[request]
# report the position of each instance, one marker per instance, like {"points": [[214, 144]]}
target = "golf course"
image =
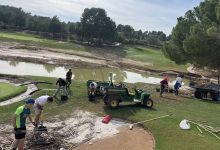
{"points": [[166, 132], [109, 75]]}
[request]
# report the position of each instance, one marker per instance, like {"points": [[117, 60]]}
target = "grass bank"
{"points": [[135, 52], [8, 91], [166, 131]]}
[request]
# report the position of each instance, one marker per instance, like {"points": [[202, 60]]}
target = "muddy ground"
{"points": [[96, 58], [81, 130], [20, 52]]}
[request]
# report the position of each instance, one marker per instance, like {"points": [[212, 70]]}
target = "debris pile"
{"points": [[215, 131], [6, 137], [65, 134]]}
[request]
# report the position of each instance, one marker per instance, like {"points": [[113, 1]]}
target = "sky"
{"points": [[157, 15]]}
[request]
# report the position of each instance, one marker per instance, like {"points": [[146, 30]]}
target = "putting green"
{"points": [[8, 91]]}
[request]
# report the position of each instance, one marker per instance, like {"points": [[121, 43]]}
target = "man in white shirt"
{"points": [[93, 85], [92, 90], [178, 84], [39, 105]]}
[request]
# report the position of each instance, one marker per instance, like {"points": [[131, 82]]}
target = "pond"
{"points": [[79, 74]]}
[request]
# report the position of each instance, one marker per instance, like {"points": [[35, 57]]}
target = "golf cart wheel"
{"points": [[113, 103], [198, 95], [148, 103]]}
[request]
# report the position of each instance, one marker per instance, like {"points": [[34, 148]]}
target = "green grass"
{"points": [[8, 91], [140, 53], [38, 41], [166, 131], [153, 56]]}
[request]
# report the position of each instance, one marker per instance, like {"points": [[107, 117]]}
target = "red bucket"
{"points": [[106, 119]]}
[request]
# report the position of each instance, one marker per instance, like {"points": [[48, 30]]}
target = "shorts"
{"points": [[20, 133]]}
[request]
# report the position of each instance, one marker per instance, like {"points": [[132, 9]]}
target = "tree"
{"points": [[55, 25], [37, 23], [96, 25], [12, 16], [128, 31], [196, 37]]}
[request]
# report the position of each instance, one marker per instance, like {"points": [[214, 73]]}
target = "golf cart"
{"points": [[116, 94], [100, 87]]}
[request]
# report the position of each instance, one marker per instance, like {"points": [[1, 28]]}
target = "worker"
{"points": [[163, 85], [19, 123], [69, 78], [110, 79], [92, 90], [178, 84], [61, 84], [39, 106]]}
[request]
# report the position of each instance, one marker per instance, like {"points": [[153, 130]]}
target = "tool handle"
{"points": [[152, 119]]}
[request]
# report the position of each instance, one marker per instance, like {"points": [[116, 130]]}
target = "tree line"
{"points": [[196, 37], [94, 27]]}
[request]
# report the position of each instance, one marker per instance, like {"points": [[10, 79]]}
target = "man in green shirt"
{"points": [[19, 123]]}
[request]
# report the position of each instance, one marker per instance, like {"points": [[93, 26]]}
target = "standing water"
{"points": [[79, 74]]}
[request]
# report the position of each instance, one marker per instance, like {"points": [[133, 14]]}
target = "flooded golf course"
{"points": [[79, 74]]}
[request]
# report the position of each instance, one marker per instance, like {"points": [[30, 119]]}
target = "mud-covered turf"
{"points": [[146, 55]]}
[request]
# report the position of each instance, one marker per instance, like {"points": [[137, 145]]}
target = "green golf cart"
{"points": [[117, 94]]}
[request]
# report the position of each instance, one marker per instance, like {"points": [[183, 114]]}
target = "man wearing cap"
{"points": [[39, 105], [19, 123]]}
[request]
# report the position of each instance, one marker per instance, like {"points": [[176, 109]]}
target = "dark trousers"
{"points": [[162, 89], [176, 88], [68, 81]]}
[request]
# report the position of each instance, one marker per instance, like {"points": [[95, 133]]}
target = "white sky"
{"points": [[158, 15]]}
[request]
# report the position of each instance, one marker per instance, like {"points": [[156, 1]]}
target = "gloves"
{"points": [[34, 124]]}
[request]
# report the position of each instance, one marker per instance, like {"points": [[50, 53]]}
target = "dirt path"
{"points": [[136, 139]]}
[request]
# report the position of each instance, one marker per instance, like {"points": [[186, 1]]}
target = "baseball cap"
{"points": [[29, 101]]}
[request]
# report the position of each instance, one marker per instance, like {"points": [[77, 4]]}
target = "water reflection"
{"points": [[79, 74], [49, 68], [13, 63]]}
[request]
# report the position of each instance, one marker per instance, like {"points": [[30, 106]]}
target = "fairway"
{"points": [[8, 91], [154, 56]]}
